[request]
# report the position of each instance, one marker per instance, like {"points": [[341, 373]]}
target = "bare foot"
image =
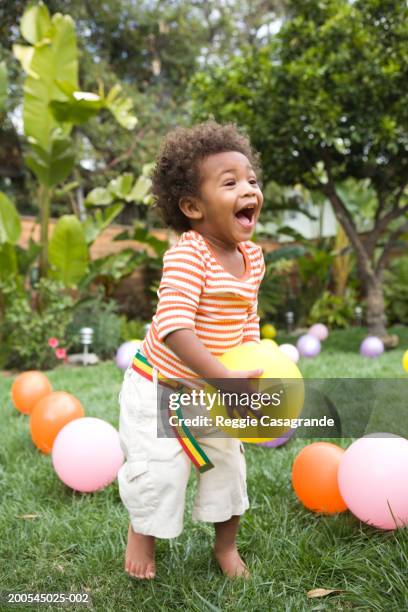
{"points": [[139, 559], [231, 563]]}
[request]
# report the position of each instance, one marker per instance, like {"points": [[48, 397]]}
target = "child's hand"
{"points": [[238, 381]]}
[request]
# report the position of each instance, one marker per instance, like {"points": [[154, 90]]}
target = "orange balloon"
{"points": [[50, 415], [28, 388], [314, 477]]}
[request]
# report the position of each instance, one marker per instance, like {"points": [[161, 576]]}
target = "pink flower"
{"points": [[60, 353], [53, 342]]}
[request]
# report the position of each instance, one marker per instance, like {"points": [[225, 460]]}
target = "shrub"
{"points": [[275, 292], [30, 317], [132, 330], [334, 310], [103, 318]]}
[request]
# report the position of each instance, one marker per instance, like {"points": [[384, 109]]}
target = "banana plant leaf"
{"points": [[67, 251], [8, 261], [10, 224], [52, 166], [93, 226]]}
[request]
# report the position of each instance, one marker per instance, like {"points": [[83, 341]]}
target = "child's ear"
{"points": [[190, 208]]}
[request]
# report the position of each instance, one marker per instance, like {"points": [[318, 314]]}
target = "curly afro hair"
{"points": [[177, 170]]}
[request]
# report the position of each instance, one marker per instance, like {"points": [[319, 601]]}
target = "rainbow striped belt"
{"points": [[188, 442]]}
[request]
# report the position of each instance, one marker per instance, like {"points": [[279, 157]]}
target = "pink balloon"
{"points": [[125, 353], [308, 346], [290, 351], [319, 330], [86, 454], [371, 347], [373, 482]]}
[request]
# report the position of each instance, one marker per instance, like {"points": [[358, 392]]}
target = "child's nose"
{"points": [[248, 188]]}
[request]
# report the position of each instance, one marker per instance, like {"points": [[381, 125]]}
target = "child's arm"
{"points": [[189, 348]]}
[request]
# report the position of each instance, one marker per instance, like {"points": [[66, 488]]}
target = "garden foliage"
{"points": [[30, 316], [326, 101]]}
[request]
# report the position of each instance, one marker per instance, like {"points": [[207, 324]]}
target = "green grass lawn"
{"points": [[75, 542]]}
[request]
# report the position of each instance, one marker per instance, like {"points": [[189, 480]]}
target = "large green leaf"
{"points": [[35, 23], [78, 108], [140, 189], [55, 58], [10, 224], [93, 226], [8, 261], [121, 107], [3, 85], [54, 165], [67, 251], [120, 187], [99, 197], [24, 54], [114, 266], [142, 234], [27, 256]]}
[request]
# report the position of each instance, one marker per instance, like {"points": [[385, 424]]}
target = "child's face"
{"points": [[230, 198]]}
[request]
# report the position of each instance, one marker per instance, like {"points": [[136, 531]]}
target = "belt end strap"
{"points": [[186, 439]]}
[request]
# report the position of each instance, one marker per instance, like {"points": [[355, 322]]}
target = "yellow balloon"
{"points": [[405, 361], [270, 342], [268, 331], [281, 379]]}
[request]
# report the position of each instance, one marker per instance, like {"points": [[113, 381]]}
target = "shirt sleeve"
{"points": [[180, 289], [251, 326]]}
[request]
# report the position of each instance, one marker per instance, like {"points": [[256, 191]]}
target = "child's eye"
{"points": [[229, 183], [253, 181]]}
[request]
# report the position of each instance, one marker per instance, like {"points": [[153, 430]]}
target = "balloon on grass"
{"points": [[405, 361], [290, 351], [319, 330], [281, 381], [268, 331], [373, 480], [125, 353], [314, 477], [269, 342], [28, 388], [371, 347], [308, 345], [49, 416], [279, 441], [87, 455]]}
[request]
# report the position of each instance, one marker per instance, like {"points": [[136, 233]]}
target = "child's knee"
{"points": [[154, 494]]}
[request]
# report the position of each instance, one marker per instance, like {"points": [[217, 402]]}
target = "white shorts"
{"points": [[153, 480]]}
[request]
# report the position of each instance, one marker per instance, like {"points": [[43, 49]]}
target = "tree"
{"points": [[53, 104], [153, 48], [324, 102]]}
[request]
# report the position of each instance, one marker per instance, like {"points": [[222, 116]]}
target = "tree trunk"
{"points": [[371, 278], [376, 319]]}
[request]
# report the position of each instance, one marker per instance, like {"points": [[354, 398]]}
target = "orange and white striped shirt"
{"points": [[197, 293]]}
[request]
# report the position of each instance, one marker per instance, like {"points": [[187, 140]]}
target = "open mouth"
{"points": [[246, 216]]}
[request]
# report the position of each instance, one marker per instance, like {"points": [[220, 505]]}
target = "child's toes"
{"points": [[150, 572], [130, 568], [140, 570]]}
